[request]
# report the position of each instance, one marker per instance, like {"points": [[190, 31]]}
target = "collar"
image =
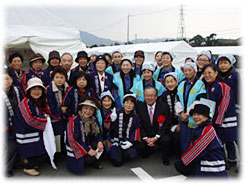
{"points": [[153, 106], [55, 88]]}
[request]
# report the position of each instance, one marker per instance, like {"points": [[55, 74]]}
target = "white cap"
{"points": [[106, 93], [94, 52], [126, 58], [127, 95], [89, 103], [230, 57], [34, 82], [192, 58], [147, 66], [206, 53], [174, 74], [170, 53], [193, 65]]}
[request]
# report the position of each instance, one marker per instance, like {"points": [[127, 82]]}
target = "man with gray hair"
{"points": [[155, 125], [66, 63]]}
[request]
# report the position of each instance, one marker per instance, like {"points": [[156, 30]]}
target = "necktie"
{"points": [[151, 115], [102, 79]]}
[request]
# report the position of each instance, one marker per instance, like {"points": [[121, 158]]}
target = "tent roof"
{"points": [[178, 46], [235, 50], [42, 30]]}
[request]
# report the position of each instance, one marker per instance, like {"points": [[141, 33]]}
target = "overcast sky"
{"points": [[149, 19]]}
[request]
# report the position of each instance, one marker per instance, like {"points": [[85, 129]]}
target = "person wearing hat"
{"points": [[53, 62], [139, 58], [229, 75], [116, 60], [82, 59], [84, 138], [158, 59], [170, 97], [167, 58], [101, 80], [36, 62], [16, 61], [11, 97], [187, 59], [203, 58], [138, 88], [92, 57], [81, 87], [204, 157], [55, 93], [124, 81], [109, 115], [189, 92], [30, 122], [225, 119], [126, 133], [155, 125]]}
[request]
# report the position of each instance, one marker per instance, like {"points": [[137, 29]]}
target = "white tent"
{"points": [[41, 31], [180, 48], [235, 50]]}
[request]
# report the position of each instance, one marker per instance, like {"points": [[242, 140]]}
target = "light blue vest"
{"points": [[197, 89], [180, 74], [138, 89], [117, 80]]}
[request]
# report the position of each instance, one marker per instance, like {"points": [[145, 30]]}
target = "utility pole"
{"points": [[128, 30], [135, 38], [181, 27]]}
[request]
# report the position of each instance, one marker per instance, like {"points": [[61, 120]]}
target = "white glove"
{"points": [[113, 115], [173, 128], [115, 144], [126, 145]]}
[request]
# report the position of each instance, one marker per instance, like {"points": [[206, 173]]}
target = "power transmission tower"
{"points": [[181, 27]]}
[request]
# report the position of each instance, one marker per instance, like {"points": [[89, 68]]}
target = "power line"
{"points": [[110, 25], [153, 12]]}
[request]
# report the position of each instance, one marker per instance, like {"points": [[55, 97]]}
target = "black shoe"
{"points": [[9, 174], [165, 162]]}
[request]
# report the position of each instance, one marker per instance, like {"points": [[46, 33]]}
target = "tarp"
{"points": [[180, 48], [41, 30]]}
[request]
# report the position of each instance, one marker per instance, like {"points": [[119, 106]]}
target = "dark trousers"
{"points": [[92, 160], [164, 142], [119, 156], [11, 154]]}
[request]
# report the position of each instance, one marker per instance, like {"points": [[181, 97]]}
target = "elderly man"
{"points": [[155, 125], [66, 63]]}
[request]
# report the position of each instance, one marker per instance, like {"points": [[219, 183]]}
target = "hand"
{"points": [[46, 115], [100, 146], [126, 145], [177, 128], [113, 115], [63, 109], [184, 117], [92, 153], [147, 140]]}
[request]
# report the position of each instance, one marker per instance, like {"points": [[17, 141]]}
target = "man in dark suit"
{"points": [[155, 125]]}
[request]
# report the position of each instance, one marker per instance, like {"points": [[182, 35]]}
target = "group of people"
{"points": [[118, 108]]}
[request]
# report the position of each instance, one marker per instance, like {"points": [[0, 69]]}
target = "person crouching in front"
{"points": [[84, 138], [204, 157]]}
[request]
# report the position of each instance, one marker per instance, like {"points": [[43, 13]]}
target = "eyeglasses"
{"points": [[203, 60]]}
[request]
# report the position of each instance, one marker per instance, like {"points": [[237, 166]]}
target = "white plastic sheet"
{"points": [[49, 141]]}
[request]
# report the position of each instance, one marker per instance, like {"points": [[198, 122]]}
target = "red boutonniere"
{"points": [[161, 119]]}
